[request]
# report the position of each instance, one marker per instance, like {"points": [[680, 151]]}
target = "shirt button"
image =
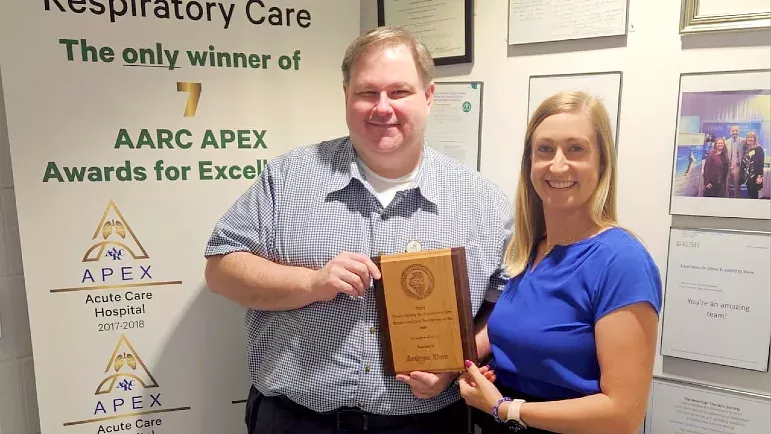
{"points": [[372, 330], [367, 369]]}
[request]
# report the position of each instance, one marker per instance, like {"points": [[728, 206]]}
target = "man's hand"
{"points": [[348, 273], [426, 385]]}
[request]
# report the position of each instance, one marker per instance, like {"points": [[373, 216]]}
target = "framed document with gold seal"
{"points": [[446, 27], [424, 310]]}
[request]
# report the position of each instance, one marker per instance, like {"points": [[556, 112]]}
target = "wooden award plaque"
{"points": [[424, 309]]}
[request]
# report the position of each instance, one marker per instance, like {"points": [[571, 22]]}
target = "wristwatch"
{"points": [[512, 421]]}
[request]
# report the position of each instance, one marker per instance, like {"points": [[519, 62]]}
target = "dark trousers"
{"points": [[279, 415], [753, 188]]}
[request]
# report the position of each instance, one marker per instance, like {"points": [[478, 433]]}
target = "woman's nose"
{"points": [[558, 163]]}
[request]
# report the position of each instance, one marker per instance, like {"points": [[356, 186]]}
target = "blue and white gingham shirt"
{"points": [[312, 203]]}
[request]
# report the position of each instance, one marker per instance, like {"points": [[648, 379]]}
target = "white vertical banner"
{"points": [[133, 126]]}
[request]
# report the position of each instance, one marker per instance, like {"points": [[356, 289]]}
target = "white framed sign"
{"points": [[455, 124], [533, 21], [685, 407], [605, 86], [717, 300]]}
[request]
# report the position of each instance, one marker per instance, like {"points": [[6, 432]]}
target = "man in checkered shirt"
{"points": [[295, 251]]}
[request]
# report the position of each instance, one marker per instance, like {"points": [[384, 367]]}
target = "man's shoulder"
{"points": [[314, 155]]}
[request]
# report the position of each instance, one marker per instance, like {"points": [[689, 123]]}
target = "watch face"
{"points": [[514, 426]]}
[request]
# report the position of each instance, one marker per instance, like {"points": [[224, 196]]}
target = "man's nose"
{"points": [[383, 106]]}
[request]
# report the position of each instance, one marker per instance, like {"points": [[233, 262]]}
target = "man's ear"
{"points": [[345, 92], [430, 95]]}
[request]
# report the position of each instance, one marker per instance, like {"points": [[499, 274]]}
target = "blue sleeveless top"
{"points": [[542, 327]]}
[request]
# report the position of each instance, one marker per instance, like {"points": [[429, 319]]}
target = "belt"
{"points": [[350, 419]]}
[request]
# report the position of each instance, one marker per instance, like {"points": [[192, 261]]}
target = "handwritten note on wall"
{"points": [[555, 20]]}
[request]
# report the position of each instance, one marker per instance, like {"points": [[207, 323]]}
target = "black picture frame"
{"points": [[468, 14]]}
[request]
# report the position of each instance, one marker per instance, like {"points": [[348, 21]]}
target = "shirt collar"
{"points": [[345, 170]]}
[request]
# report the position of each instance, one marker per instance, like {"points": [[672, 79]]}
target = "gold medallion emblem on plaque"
{"points": [[417, 281]]}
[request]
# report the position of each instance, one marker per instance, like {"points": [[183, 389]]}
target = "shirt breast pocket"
{"points": [[313, 237]]}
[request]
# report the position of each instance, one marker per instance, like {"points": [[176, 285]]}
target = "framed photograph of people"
{"points": [[701, 16], [605, 86], [722, 145], [445, 26]]}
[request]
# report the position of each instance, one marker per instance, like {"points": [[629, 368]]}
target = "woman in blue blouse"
{"points": [[573, 335]]}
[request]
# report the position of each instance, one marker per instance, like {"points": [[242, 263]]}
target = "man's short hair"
{"points": [[389, 36]]}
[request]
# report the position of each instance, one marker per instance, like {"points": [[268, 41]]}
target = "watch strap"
{"points": [[514, 407]]}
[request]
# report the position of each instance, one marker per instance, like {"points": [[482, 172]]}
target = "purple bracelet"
{"points": [[495, 408]]}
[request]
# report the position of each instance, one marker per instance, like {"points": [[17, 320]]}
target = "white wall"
{"points": [[18, 402], [651, 57]]}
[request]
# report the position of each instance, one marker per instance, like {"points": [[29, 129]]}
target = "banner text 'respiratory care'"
{"points": [[255, 11]]}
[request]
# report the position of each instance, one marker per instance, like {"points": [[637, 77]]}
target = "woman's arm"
{"points": [[626, 347], [758, 162]]}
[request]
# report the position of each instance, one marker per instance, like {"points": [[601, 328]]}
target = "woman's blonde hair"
{"points": [[530, 225]]}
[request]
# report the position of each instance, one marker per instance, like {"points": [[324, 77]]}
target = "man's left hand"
{"points": [[426, 384]]}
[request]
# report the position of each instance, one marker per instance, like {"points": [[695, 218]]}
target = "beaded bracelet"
{"points": [[495, 408]]}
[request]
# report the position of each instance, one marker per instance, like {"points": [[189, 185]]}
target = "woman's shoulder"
{"points": [[620, 243]]}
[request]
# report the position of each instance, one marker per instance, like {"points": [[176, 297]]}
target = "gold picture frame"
{"points": [[693, 21]]}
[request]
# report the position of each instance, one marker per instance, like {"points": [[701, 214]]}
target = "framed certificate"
{"points": [[535, 21], [455, 125], [445, 26], [699, 16]]}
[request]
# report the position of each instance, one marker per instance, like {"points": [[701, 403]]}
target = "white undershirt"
{"points": [[386, 188]]}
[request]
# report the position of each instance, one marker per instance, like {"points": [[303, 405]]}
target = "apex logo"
{"points": [[114, 238], [125, 370]]}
